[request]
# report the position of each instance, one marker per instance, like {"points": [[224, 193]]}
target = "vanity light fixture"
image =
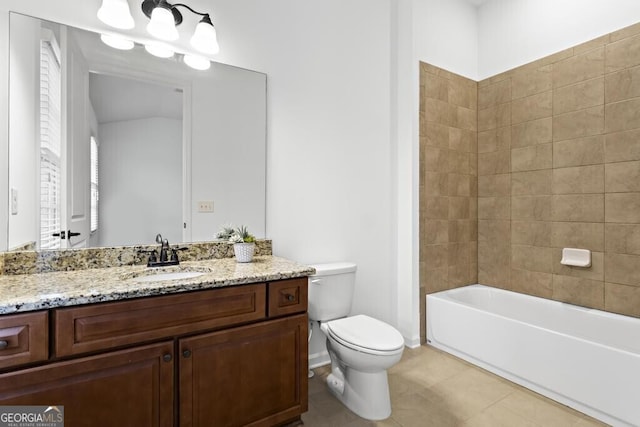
{"points": [[164, 17], [158, 49], [116, 13], [197, 62], [117, 42]]}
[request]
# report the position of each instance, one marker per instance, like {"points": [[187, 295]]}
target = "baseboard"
{"points": [[319, 359]]}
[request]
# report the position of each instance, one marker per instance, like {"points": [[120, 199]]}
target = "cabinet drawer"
{"points": [[287, 297], [23, 338], [101, 326]]}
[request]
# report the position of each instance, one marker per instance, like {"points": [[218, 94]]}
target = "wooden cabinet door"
{"points": [[252, 375], [123, 388]]}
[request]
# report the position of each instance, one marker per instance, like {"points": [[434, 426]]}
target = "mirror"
{"points": [[121, 145]]}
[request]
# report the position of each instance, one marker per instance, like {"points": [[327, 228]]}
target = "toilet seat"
{"points": [[366, 334]]}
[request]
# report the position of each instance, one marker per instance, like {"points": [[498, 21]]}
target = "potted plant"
{"points": [[243, 244]]}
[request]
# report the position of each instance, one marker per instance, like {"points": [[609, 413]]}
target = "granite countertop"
{"points": [[28, 292]]}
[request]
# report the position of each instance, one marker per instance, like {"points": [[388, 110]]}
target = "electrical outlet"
{"points": [[14, 201], [205, 206]]}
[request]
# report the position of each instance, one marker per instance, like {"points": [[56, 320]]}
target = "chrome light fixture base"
{"points": [[149, 5]]}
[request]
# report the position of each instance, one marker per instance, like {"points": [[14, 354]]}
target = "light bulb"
{"points": [[116, 42], [197, 62], [116, 13], [160, 50], [204, 38], [162, 24]]}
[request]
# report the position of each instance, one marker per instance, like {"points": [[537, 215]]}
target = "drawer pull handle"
{"points": [[4, 344], [167, 357], [186, 353], [290, 297]]}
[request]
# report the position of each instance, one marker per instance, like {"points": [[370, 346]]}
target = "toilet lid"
{"points": [[367, 333]]}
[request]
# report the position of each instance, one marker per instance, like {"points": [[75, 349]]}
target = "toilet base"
{"points": [[365, 393]]}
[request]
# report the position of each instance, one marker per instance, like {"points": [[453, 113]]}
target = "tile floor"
{"points": [[432, 388]]}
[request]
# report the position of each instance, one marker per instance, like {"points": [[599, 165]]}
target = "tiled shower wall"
{"points": [[448, 184], [558, 165]]}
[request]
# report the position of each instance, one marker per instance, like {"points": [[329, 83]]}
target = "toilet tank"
{"points": [[331, 290]]}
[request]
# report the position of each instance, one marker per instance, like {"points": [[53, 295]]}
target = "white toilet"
{"points": [[361, 348]]}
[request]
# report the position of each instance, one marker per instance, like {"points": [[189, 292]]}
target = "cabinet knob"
{"points": [[186, 353], [167, 357], [4, 344], [290, 297]]}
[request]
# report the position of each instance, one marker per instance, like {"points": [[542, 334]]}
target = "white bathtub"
{"points": [[584, 358]]}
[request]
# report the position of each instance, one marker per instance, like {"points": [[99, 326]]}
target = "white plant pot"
{"points": [[244, 251]]}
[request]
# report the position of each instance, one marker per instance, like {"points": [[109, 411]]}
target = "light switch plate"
{"points": [[205, 206]]}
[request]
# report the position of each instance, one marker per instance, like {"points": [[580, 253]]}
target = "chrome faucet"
{"points": [[168, 255]]}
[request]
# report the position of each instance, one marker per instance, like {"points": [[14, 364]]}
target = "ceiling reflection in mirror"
{"points": [[110, 147]]}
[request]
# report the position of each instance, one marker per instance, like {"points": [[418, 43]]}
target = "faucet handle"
{"points": [[159, 238], [174, 253]]}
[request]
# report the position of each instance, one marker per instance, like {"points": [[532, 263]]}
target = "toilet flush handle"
{"points": [[316, 281]]}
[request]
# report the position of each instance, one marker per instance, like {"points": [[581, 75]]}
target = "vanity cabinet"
{"points": [[231, 356]]}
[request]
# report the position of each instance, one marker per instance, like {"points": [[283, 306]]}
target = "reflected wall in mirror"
{"points": [[120, 145]]}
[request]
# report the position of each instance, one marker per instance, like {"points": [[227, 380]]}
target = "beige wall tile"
{"points": [[463, 95], [594, 272], [494, 232], [459, 207], [621, 54], [435, 134], [592, 44], [532, 258], [622, 299], [532, 133], [492, 95], [462, 140], [629, 31], [620, 268], [436, 232], [531, 183], [585, 235], [531, 233], [579, 179], [622, 177], [578, 291], [578, 68], [436, 208], [622, 238], [622, 207], [579, 96], [494, 265], [463, 230], [532, 82], [435, 184], [624, 84], [458, 162], [579, 123], [623, 115], [436, 256], [578, 208], [460, 185], [436, 87], [466, 118], [494, 140], [622, 146], [438, 111], [579, 152], [436, 159], [531, 158], [494, 185], [532, 107], [494, 117], [535, 208], [436, 280], [494, 207], [493, 163], [532, 283]]}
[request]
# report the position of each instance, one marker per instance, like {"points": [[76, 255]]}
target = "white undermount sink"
{"points": [[174, 275]]}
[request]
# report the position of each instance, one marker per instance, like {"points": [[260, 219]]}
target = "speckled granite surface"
{"points": [[30, 262], [28, 292]]}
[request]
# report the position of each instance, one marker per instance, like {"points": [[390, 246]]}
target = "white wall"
{"points": [[515, 32], [140, 179], [25, 109], [446, 35]]}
